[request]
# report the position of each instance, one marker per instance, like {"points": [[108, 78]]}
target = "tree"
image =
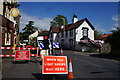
{"points": [[29, 29], [59, 20], [97, 34], [114, 40]]}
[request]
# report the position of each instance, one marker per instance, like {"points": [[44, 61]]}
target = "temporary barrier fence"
{"points": [[22, 48], [14, 55], [7, 55], [18, 48]]}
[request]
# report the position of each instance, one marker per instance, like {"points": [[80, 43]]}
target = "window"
{"points": [[70, 43], [66, 32], [62, 43], [7, 38], [85, 32], [71, 33], [62, 34], [58, 35], [51, 35], [2, 29], [77, 32]]}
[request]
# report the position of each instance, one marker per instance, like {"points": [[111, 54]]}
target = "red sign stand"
{"points": [[54, 65], [22, 55]]}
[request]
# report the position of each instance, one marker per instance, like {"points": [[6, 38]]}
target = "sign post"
{"points": [[54, 65], [22, 55]]}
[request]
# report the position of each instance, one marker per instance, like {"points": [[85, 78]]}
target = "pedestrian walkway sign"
{"points": [[41, 45], [56, 45]]}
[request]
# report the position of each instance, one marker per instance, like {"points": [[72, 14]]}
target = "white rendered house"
{"points": [[70, 35]]}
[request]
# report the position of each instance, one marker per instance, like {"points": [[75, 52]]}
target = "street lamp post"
{"points": [[63, 29], [63, 21]]}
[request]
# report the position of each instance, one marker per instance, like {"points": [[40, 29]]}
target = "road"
{"points": [[84, 66]]}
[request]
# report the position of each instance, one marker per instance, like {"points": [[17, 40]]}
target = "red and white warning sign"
{"points": [[22, 55], [54, 65]]}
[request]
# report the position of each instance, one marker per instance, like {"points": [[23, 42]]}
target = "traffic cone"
{"points": [[50, 52], [61, 52], [70, 72], [40, 55]]}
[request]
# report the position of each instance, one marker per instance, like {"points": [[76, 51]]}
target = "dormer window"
{"points": [[85, 32]]}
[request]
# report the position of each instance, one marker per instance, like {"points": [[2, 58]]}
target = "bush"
{"points": [[105, 48]]}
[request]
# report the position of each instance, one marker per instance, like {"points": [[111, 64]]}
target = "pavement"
{"points": [[20, 69]]}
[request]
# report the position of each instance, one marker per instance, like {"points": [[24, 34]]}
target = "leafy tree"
{"points": [[97, 34], [114, 40], [29, 29], [59, 20]]}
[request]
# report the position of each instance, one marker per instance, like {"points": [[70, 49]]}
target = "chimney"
{"points": [[75, 19], [41, 30]]}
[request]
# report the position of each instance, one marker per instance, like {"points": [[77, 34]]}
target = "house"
{"points": [[69, 36], [103, 37], [9, 25]]}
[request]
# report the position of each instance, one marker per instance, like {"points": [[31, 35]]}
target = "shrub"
{"points": [[105, 48]]}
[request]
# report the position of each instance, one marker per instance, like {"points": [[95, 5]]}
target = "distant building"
{"points": [[69, 36], [103, 37], [33, 37], [43, 33]]}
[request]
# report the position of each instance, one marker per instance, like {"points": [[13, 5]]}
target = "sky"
{"points": [[103, 15], [68, 0]]}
